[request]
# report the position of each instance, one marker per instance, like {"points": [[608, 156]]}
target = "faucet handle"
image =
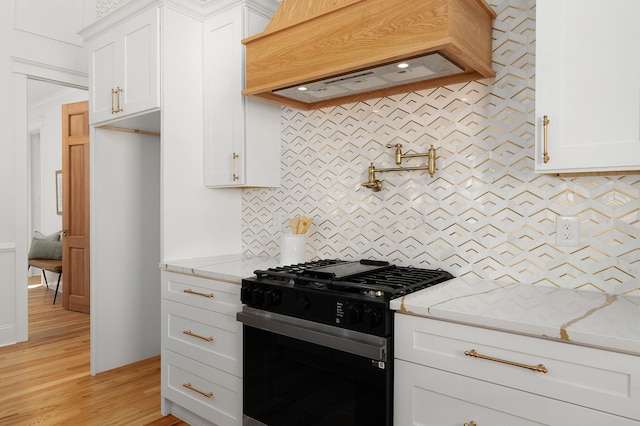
{"points": [[398, 155]]}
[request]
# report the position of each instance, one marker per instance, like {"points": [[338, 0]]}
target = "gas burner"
{"points": [[346, 294], [372, 293]]}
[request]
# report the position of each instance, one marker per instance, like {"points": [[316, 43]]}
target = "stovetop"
{"points": [[366, 277], [347, 294]]}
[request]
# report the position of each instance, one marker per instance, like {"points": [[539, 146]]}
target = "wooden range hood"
{"points": [[345, 51]]}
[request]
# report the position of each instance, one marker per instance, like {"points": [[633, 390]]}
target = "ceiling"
{"points": [[38, 90]]}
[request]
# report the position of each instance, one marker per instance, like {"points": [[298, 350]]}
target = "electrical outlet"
{"points": [[567, 231]]}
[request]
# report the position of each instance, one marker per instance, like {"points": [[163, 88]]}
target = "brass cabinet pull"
{"points": [[119, 90], [189, 291], [189, 333], [205, 394], [545, 127], [540, 368], [235, 166], [115, 92], [471, 423]]}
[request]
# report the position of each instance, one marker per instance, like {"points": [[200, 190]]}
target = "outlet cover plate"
{"points": [[567, 231]]}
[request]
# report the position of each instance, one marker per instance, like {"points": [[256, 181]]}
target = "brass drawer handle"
{"points": [[234, 158], [545, 126], [205, 394], [189, 291], [540, 368], [471, 423], [189, 333]]}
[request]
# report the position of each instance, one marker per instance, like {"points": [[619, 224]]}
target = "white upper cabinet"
{"points": [[241, 135], [124, 68], [588, 86]]}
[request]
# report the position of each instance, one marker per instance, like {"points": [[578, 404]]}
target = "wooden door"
{"points": [[75, 206]]}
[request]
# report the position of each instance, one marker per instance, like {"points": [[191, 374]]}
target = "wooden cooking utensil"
{"points": [[304, 225], [293, 224]]}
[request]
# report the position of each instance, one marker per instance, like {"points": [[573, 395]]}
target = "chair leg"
{"points": [[57, 287], [45, 279]]}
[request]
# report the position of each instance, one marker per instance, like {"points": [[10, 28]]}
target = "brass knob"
{"points": [[471, 423]]}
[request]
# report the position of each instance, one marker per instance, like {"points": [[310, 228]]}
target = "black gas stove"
{"points": [[351, 295]]}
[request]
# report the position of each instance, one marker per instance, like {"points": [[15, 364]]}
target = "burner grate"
{"points": [[400, 280], [288, 272], [384, 280]]}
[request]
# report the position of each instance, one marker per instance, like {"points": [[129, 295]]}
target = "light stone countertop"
{"points": [[583, 317], [230, 268]]}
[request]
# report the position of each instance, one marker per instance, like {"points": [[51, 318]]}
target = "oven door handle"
{"points": [[374, 348]]}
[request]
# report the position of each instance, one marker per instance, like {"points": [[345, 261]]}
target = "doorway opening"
{"points": [[44, 100]]}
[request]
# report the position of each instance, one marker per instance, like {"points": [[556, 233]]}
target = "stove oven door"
{"points": [[298, 372]]}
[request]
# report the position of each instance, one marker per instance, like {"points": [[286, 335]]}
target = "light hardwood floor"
{"points": [[46, 381]]}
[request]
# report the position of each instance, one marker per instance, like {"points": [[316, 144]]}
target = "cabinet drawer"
{"points": [[600, 379], [426, 396], [206, 336], [206, 391], [203, 293]]}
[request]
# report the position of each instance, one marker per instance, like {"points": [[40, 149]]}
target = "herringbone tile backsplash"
{"points": [[485, 213]]}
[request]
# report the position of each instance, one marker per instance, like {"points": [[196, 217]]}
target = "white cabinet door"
{"points": [[242, 135], [428, 396], [210, 393], [588, 86], [103, 78], [572, 373], [141, 79], [124, 66]]}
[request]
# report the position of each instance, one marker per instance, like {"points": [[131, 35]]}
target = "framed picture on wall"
{"points": [[59, 192]]}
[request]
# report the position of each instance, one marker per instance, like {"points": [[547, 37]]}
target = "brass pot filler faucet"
{"points": [[375, 185]]}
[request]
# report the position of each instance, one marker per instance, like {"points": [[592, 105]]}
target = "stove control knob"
{"points": [[257, 297], [302, 303], [271, 298], [246, 295], [353, 314], [372, 317]]}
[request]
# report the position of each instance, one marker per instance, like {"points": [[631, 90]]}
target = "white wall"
{"points": [[125, 248], [35, 179], [31, 41]]}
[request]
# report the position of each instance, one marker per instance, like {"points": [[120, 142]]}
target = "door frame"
{"points": [[23, 70]]}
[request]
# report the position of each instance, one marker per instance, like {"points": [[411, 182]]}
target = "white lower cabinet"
{"points": [[437, 382], [201, 350], [211, 394]]}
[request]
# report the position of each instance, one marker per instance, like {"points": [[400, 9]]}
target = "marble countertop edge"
{"points": [[575, 316], [231, 268]]}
